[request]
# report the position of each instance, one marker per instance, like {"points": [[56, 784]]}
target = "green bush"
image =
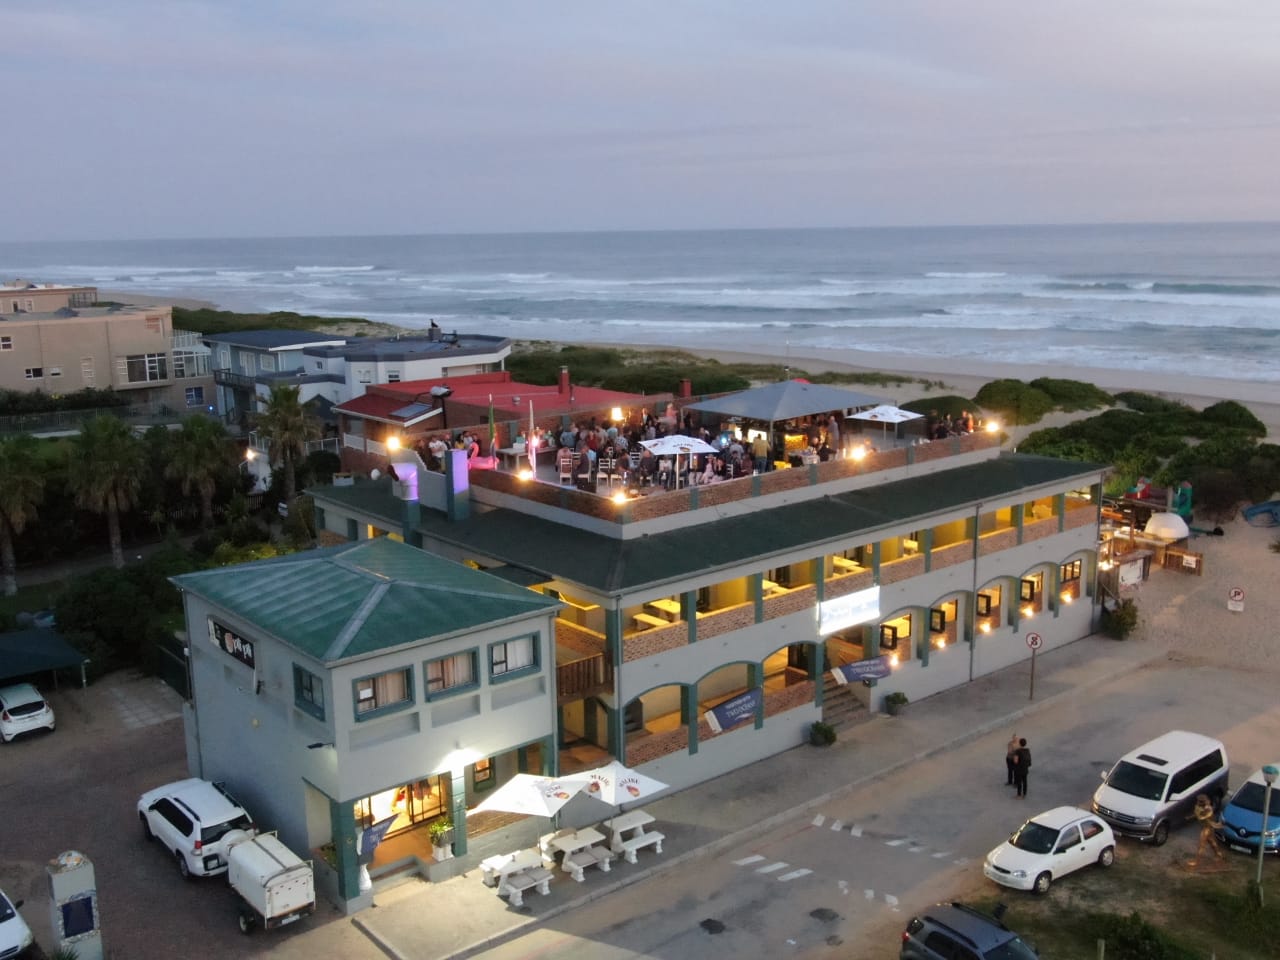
{"points": [[1073, 395], [1014, 401], [822, 734], [1120, 620], [1133, 938]]}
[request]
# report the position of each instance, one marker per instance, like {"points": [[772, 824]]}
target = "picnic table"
{"points": [[583, 848], [628, 834], [514, 873]]}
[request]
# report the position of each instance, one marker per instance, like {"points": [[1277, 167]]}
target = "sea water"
{"points": [[1198, 300]]}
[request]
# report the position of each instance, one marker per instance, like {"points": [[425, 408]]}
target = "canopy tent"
{"points": [[785, 401], [24, 652], [886, 414]]}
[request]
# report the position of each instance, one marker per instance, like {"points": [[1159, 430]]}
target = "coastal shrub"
{"points": [[1235, 416], [1052, 442], [1217, 494], [1120, 619], [1014, 401], [822, 734], [209, 321], [1072, 395], [17, 402], [1133, 938], [1147, 403]]}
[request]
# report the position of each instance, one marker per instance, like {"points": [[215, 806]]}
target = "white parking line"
{"points": [[746, 860], [793, 875], [837, 825], [774, 867], [819, 820]]}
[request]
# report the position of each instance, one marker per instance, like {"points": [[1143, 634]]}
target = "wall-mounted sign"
{"points": [[874, 669], [839, 613], [231, 642], [733, 712]]}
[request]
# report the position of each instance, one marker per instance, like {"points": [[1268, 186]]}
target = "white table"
{"points": [[581, 850], [511, 456], [495, 870], [845, 565], [669, 607]]}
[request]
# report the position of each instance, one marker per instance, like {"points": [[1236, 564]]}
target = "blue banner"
{"points": [[873, 669], [372, 836], [733, 712]]}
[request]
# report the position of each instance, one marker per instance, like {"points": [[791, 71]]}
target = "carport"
{"points": [[36, 650]]}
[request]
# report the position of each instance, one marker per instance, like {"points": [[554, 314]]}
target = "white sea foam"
{"points": [[362, 268], [963, 275]]}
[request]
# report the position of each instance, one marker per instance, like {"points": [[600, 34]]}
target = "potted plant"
{"points": [[894, 702], [822, 734], [441, 833]]}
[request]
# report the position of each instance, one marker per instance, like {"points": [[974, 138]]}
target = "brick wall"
{"points": [[327, 538], [1000, 540], [578, 639], [950, 555], [898, 570], [655, 745], [726, 621], [714, 494], [797, 695], [848, 583], [802, 598], [780, 480], [1039, 529], [637, 646], [1080, 515]]}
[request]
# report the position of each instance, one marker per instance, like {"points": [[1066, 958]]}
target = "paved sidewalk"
{"points": [[461, 917]]}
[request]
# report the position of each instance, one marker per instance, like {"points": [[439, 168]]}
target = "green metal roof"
{"points": [[23, 652], [341, 602], [614, 567]]}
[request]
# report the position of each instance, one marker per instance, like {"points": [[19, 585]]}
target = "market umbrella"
{"points": [[676, 445], [616, 784], [532, 795], [886, 414]]}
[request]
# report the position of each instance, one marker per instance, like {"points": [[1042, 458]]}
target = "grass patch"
{"points": [[1149, 906]]}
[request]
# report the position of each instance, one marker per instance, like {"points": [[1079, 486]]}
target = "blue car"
{"points": [[1242, 817]]}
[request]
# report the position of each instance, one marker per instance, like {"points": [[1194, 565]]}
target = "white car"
{"points": [[197, 821], [15, 935], [22, 710], [1049, 846]]}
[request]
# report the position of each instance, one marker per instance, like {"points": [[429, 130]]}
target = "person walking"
{"points": [[1010, 759], [1022, 765]]}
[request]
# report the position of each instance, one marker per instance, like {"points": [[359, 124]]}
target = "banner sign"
{"points": [[232, 643], [371, 836], [840, 613], [874, 669], [733, 712]]}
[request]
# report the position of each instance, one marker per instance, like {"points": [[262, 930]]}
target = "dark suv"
{"points": [[954, 931]]}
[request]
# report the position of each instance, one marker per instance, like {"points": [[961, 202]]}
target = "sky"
{"points": [[179, 118]]}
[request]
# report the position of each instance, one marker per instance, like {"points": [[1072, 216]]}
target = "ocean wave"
{"points": [[1225, 289], [964, 275], [362, 268], [1087, 287]]}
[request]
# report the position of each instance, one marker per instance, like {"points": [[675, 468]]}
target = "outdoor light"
{"points": [[992, 426], [859, 453], [393, 444], [525, 474], [620, 497], [893, 659], [250, 455], [616, 414], [1066, 597], [1269, 774], [1028, 612], [985, 627]]}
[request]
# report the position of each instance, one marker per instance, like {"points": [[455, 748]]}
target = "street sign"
{"points": [[1034, 641], [1235, 599]]}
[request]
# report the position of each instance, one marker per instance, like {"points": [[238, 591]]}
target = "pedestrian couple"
{"points": [[1017, 761]]}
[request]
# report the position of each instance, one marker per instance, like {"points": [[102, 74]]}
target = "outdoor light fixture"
{"points": [[985, 627], [525, 474], [991, 426], [1028, 613], [620, 497], [859, 453], [893, 659], [250, 455], [393, 444], [615, 414]]}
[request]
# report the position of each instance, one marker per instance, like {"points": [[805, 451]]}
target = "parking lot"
{"points": [[77, 789]]}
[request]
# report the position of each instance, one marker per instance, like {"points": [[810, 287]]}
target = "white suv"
{"points": [[197, 821]]}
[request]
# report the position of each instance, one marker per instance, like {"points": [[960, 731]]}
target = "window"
{"points": [[364, 375], [393, 376], [55, 371], [155, 324], [482, 778], [308, 692], [386, 690], [451, 673], [145, 367], [6, 343], [267, 362], [513, 656], [888, 636], [1029, 589], [984, 604], [1070, 571], [1091, 829], [186, 364], [86, 371], [937, 620], [1070, 837], [35, 373], [195, 396]]}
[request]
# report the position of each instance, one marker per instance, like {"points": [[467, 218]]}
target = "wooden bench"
{"points": [[515, 884], [575, 863], [629, 847]]}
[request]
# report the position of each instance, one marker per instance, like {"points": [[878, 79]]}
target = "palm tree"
{"points": [[201, 454], [287, 427], [106, 473], [20, 492]]}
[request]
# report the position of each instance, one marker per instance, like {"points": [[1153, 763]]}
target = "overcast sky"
{"points": [[155, 118]]}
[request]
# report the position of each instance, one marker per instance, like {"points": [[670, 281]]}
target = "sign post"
{"points": [[1235, 599], [1034, 641]]}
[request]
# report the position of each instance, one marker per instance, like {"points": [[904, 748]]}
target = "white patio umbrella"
{"points": [[886, 414], [532, 795], [616, 784], [676, 445]]}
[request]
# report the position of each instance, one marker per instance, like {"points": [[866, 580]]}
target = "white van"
{"points": [[1155, 787]]}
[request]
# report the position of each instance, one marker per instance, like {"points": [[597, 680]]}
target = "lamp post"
{"points": [[1269, 774]]}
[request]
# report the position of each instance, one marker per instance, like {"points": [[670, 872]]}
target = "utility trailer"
{"points": [[274, 885]]}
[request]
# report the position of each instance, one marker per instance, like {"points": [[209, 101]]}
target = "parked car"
{"points": [[197, 821], [950, 930], [23, 710], [15, 935], [1242, 817], [1154, 788], [1048, 846]]}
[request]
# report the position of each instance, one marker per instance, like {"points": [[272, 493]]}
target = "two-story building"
{"points": [[370, 683]]}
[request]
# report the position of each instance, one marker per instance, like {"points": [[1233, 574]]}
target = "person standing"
{"points": [[1022, 765], [1011, 759]]}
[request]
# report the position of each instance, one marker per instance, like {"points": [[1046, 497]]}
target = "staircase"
{"points": [[840, 705]]}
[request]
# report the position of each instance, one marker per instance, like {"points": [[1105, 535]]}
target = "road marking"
{"points": [[895, 843], [746, 860], [819, 820], [844, 887], [837, 825], [774, 867], [855, 830], [792, 875], [941, 855], [891, 900], [870, 894]]}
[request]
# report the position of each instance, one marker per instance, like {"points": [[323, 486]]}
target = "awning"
{"points": [[24, 652], [785, 401]]}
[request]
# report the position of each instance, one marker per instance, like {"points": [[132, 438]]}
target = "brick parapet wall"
{"points": [[999, 540], [788, 698], [579, 639], [655, 745], [646, 643], [793, 601], [848, 583], [1039, 529], [951, 555], [727, 620], [898, 570], [1080, 515]]}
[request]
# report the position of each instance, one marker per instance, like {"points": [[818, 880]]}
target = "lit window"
{"points": [[145, 367], [394, 688], [451, 673], [512, 656], [483, 776]]}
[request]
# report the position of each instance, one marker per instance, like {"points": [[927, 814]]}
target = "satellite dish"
{"points": [[441, 391], [375, 473]]}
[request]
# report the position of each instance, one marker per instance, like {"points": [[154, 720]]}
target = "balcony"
{"points": [[229, 378]]}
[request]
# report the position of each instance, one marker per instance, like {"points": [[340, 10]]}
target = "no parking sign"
{"points": [[1235, 599], [1035, 642]]}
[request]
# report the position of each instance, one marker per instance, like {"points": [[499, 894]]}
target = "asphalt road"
{"points": [[844, 881]]}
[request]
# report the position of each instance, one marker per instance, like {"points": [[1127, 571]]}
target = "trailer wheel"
{"points": [[246, 922]]}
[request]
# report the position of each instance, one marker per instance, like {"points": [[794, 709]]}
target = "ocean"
{"points": [[1198, 300]]}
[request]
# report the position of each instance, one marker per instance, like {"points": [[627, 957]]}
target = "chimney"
{"points": [[564, 381], [686, 389]]}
